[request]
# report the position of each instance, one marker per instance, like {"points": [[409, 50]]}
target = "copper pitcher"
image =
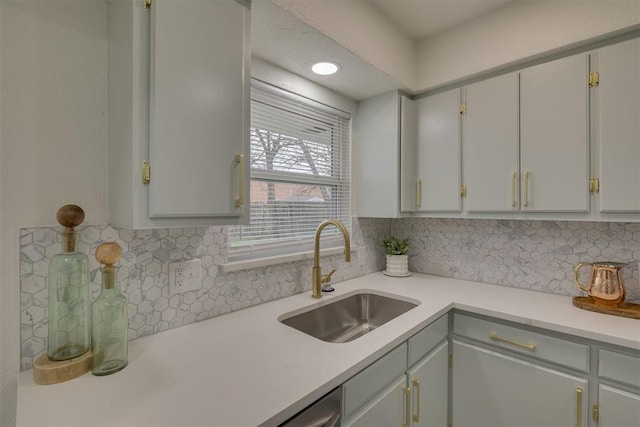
{"points": [[606, 286]]}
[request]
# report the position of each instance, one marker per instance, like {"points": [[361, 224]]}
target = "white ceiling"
{"points": [[419, 19], [282, 39]]}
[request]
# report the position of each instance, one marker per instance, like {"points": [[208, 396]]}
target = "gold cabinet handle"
{"points": [[416, 387], [513, 189], [526, 189], [240, 162], [146, 173], [419, 193], [494, 336], [578, 407], [407, 400]]}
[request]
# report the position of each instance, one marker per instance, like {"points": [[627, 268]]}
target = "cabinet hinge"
{"points": [[463, 191], [594, 185], [147, 4], [594, 79], [595, 413], [463, 108], [146, 173], [451, 360]]}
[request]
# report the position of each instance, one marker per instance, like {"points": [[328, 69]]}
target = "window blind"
{"points": [[300, 171]]}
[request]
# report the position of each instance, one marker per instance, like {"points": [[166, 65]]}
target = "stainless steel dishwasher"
{"points": [[324, 412]]}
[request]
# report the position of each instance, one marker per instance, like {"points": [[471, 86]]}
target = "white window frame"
{"points": [[300, 247]]}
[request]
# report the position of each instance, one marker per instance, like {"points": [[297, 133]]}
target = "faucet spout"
{"points": [[318, 278]]}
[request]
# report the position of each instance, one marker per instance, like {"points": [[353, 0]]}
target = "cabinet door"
{"points": [[409, 186], [491, 389], [375, 156], [618, 408], [554, 143], [438, 151], [384, 410], [490, 140], [428, 381], [619, 139], [198, 108]]}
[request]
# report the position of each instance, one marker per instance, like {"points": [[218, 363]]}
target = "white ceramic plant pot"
{"points": [[397, 265]]}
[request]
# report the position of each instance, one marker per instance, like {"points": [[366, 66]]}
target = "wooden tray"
{"points": [[625, 309], [47, 371]]}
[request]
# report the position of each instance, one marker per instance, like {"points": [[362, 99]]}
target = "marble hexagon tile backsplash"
{"points": [[143, 274], [536, 255]]}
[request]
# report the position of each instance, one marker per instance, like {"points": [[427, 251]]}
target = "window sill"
{"points": [[230, 267]]}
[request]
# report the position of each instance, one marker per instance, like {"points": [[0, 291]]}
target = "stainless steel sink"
{"points": [[348, 318]]}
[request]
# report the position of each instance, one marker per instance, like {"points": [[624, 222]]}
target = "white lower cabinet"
{"points": [[618, 408], [619, 400], [491, 389], [418, 398], [386, 409], [386, 393], [502, 374], [427, 381]]}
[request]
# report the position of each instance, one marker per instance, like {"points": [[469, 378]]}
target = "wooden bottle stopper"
{"points": [[108, 254], [70, 216]]}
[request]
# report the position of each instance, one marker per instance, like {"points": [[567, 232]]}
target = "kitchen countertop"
{"points": [[246, 368]]}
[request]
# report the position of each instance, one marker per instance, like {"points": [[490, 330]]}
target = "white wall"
{"points": [[53, 138], [7, 377], [519, 30]]}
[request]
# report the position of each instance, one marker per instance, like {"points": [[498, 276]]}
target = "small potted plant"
{"points": [[397, 258]]}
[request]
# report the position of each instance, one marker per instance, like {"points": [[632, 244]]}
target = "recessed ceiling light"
{"points": [[324, 68]]}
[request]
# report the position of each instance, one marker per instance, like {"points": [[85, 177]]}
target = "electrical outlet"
{"points": [[185, 276]]}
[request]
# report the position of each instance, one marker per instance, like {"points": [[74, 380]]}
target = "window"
{"points": [[300, 172]]}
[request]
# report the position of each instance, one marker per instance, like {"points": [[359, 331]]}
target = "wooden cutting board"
{"points": [[624, 309]]}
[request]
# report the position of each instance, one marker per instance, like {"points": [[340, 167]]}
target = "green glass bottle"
{"points": [[68, 310], [109, 320]]}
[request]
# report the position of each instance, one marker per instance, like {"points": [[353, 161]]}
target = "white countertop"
{"points": [[246, 368]]}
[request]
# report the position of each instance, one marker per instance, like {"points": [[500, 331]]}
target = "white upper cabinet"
{"points": [[554, 139], [438, 153], [198, 101], [543, 142], [179, 101], [409, 184], [380, 127], [619, 124], [490, 140]]}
